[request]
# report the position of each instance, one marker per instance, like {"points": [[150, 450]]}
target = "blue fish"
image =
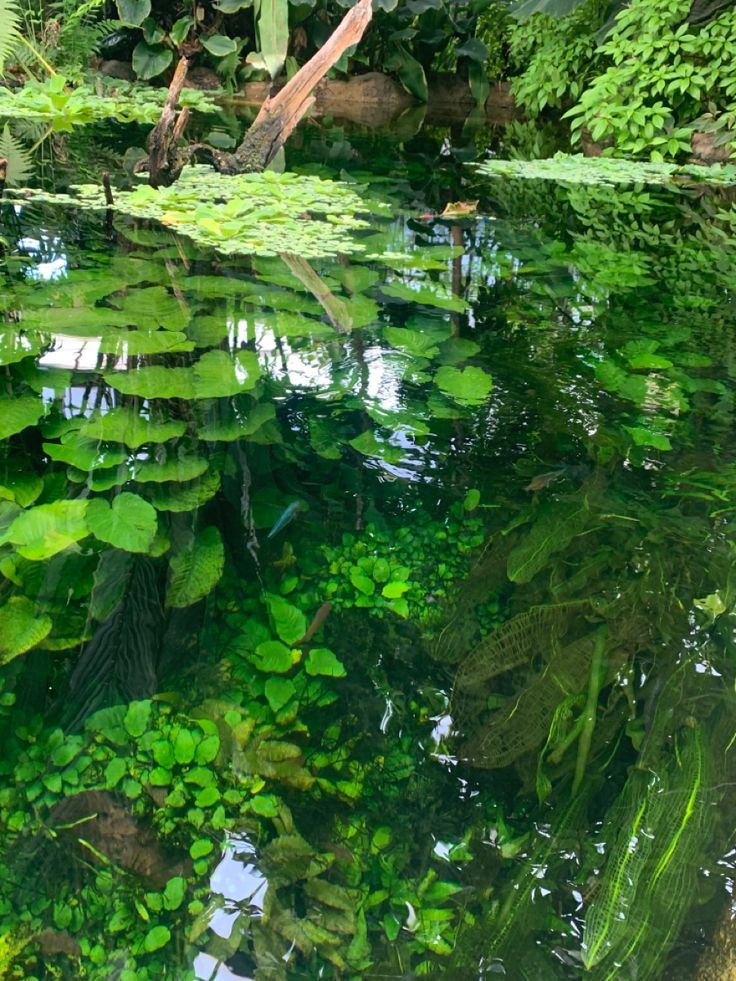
{"points": [[287, 515]]}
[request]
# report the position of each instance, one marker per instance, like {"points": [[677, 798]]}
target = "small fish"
{"points": [[287, 515], [544, 479]]}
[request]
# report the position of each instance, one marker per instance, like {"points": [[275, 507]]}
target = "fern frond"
{"points": [[20, 164], [9, 29]]}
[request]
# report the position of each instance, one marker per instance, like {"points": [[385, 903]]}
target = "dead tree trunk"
{"points": [[274, 123], [279, 115]]}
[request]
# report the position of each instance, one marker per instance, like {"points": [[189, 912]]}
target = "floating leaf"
{"points": [[196, 570], [130, 523], [21, 628], [470, 386]]}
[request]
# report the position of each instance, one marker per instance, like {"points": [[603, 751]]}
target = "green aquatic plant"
{"points": [[64, 106], [263, 214], [577, 169]]}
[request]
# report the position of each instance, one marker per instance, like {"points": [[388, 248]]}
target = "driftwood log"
{"points": [[273, 125]]}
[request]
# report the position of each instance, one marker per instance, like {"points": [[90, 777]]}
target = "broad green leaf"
{"points": [[130, 523], [23, 487], [184, 746], [425, 292], [16, 345], [289, 621], [471, 386], [187, 496], [218, 374], [156, 938], [273, 656], [84, 454], [393, 590], [42, 531], [18, 413], [153, 381], [553, 528], [410, 71], [153, 307], [472, 499], [126, 343], [362, 582], [149, 60], [126, 425], [238, 425], [278, 692], [181, 465], [174, 892], [196, 570], [219, 45], [137, 718], [369, 445], [272, 24], [200, 848], [133, 12], [418, 343], [642, 436], [322, 661], [21, 628]]}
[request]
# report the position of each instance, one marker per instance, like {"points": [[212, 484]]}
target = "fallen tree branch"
{"points": [[162, 167]]}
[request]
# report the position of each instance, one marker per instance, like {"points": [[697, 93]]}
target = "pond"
{"points": [[370, 614]]}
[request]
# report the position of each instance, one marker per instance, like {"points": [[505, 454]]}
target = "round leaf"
{"points": [[321, 661], [129, 524], [133, 12], [149, 60]]}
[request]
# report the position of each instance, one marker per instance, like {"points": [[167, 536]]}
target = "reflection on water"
{"points": [[470, 712]]}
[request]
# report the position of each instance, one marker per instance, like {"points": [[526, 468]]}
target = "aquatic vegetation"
{"points": [[609, 171], [262, 214], [65, 106], [420, 719]]}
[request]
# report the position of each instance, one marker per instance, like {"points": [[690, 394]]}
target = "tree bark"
{"points": [[279, 115], [162, 165], [274, 123]]}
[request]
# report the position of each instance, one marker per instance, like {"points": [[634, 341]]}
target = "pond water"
{"points": [[370, 616]]}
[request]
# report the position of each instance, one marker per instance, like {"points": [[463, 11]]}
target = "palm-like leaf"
{"points": [[9, 29]]}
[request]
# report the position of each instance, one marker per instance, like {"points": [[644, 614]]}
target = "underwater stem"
{"points": [[591, 705]]}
